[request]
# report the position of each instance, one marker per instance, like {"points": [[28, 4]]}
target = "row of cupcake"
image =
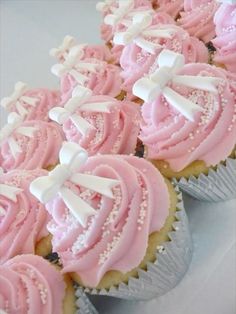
{"points": [[117, 224]]}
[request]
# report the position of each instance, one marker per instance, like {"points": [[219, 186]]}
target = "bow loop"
{"points": [[72, 157], [150, 87]]}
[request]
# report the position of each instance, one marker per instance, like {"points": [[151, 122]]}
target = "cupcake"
{"points": [[144, 42], [29, 144], [30, 284], [103, 78], [118, 18], [197, 18], [32, 104], [100, 52], [23, 219], [189, 128], [118, 226], [225, 41], [99, 124]]}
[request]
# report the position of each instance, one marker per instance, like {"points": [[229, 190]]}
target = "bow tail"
{"points": [[103, 107], [9, 191], [81, 124], [100, 185], [186, 107], [146, 45], [27, 131], [79, 208], [30, 100], [22, 111], [14, 147], [200, 82], [80, 78]]}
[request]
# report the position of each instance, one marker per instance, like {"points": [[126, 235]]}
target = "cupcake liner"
{"points": [[217, 185], [173, 259], [84, 306]]}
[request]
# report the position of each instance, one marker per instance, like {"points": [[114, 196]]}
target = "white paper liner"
{"points": [[166, 272], [217, 185], [84, 306]]}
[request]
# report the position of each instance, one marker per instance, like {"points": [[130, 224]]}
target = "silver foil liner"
{"points": [[83, 304], [217, 185], [173, 259]]}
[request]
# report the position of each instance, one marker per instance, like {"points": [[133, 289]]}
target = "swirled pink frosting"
{"points": [[172, 7], [197, 18], [210, 138], [47, 99], [29, 284], [22, 223], [116, 237], [136, 62], [225, 41], [100, 52], [39, 151], [115, 132], [105, 81]]}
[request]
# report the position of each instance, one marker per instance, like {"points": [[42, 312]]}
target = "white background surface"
{"points": [[28, 29]]}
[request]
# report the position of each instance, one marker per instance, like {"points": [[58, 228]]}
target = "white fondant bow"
{"points": [[140, 29], [74, 65], [101, 6], [62, 51], [78, 102], [169, 62], [13, 124], [18, 99], [72, 157], [125, 6]]}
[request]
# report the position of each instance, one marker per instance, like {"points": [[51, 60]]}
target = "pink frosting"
{"points": [[136, 62], [113, 133], [197, 18], [117, 236], [105, 81], [47, 99], [225, 41], [39, 151], [172, 7], [212, 135], [100, 52], [22, 223], [29, 284]]}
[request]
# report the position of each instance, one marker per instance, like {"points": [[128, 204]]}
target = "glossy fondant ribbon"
{"points": [[141, 29], [63, 50], [169, 62], [78, 102], [18, 99], [74, 65], [14, 124], [72, 157]]}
